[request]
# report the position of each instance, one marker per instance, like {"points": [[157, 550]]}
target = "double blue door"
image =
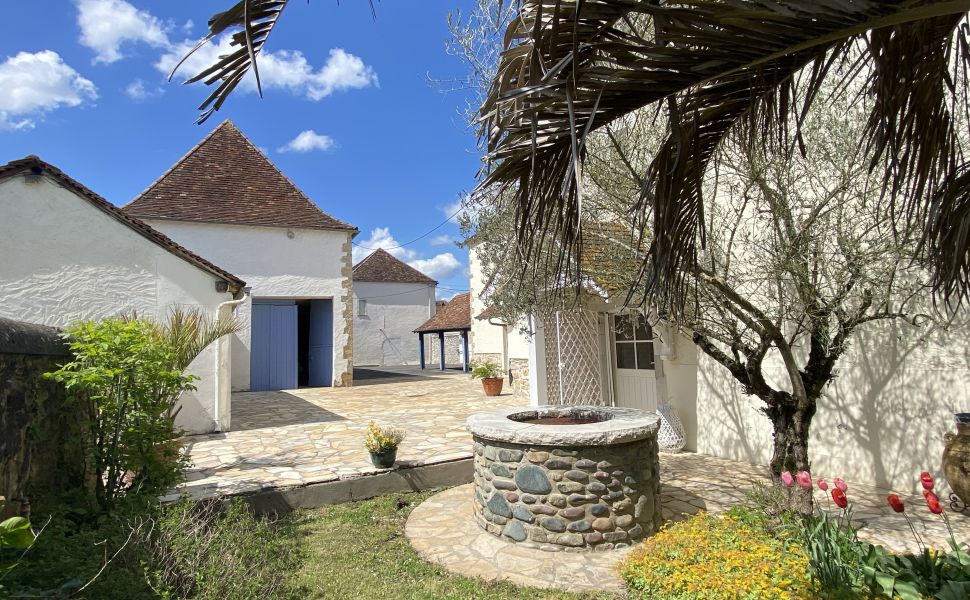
{"points": [[275, 353]]}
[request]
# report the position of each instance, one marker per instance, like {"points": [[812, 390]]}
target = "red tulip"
{"points": [[926, 479], [838, 496], [840, 483], [804, 479], [787, 479], [895, 503], [823, 485], [933, 503]]}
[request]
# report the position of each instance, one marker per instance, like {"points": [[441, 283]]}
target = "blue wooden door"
{"points": [[273, 362], [321, 343]]}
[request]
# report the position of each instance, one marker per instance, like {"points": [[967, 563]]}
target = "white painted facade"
{"points": [[510, 345], [64, 260], [385, 317], [879, 422], [276, 263]]}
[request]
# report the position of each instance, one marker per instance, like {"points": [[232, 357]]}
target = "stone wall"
{"points": [[452, 349], [568, 498], [41, 454]]}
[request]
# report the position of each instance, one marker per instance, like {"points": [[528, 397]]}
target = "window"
{"points": [[362, 307], [633, 342]]}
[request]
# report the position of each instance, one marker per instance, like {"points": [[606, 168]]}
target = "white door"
{"points": [[635, 370]]}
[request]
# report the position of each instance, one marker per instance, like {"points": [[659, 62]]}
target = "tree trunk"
{"points": [[791, 425]]}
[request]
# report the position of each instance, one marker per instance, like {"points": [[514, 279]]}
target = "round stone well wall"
{"points": [[589, 486]]}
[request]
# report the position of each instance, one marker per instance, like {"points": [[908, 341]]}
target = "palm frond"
{"points": [[574, 66], [256, 19], [190, 331]]}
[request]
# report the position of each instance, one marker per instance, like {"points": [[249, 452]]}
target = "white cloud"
{"points": [[443, 239], [32, 84], [307, 141], [286, 69], [380, 237], [140, 90], [440, 267], [107, 25]]}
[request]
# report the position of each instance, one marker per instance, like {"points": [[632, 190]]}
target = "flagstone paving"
{"points": [[316, 435], [442, 529]]}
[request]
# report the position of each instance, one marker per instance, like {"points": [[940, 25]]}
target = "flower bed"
{"points": [[713, 558]]}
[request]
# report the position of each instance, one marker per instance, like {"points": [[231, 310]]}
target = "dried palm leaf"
{"points": [[574, 66]]}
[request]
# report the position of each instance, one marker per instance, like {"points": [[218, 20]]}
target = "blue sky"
{"points": [[348, 111]]}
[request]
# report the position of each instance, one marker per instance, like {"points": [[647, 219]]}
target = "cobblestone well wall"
{"points": [[571, 498]]}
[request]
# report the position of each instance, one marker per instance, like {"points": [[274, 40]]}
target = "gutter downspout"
{"points": [[223, 405]]}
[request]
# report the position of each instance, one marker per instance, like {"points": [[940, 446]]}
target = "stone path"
{"points": [[443, 530], [316, 435]]}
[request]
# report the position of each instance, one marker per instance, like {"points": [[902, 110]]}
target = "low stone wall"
{"points": [[568, 497], [41, 454]]}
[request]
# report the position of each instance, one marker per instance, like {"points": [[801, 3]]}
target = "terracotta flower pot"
{"points": [[956, 458], [384, 459], [493, 385]]}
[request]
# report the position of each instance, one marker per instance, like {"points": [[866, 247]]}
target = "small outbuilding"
{"points": [[391, 298], [70, 255], [454, 319]]}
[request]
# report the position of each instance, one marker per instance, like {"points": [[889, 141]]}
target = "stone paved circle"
{"points": [[442, 529]]}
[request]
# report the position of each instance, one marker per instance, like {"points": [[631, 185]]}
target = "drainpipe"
{"points": [[223, 385]]}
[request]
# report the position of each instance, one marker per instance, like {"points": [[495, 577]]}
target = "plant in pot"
{"points": [[491, 375], [382, 443]]}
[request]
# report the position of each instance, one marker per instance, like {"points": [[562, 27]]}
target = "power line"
{"points": [[436, 228]]}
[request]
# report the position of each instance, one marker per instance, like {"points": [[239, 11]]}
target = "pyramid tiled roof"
{"points": [[226, 179], [381, 266]]}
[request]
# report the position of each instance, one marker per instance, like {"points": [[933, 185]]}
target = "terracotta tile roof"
{"points": [[37, 167], [381, 266], [490, 312], [454, 316], [226, 179]]}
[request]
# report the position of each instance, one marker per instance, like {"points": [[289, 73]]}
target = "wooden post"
{"points": [[421, 349], [464, 345], [441, 350]]}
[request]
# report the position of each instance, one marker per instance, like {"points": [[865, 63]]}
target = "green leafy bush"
{"points": [[128, 375], [217, 551]]}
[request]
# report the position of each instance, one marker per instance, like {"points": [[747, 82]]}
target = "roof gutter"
{"points": [[223, 405]]}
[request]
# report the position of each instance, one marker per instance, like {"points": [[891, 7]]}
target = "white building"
{"points": [[227, 201], [391, 299], [69, 255], [492, 339]]}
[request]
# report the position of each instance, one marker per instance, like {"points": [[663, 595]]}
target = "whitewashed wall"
{"points": [[313, 263], [385, 334], [881, 421], [63, 260]]}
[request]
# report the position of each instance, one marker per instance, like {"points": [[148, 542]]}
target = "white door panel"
{"points": [[635, 370]]}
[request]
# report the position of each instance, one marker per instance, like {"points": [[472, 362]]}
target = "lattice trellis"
{"points": [[572, 358]]}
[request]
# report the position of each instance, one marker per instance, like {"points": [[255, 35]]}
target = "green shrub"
{"points": [[127, 375], [217, 551], [711, 558], [486, 369]]}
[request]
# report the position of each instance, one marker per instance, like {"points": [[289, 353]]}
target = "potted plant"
{"points": [[491, 375], [382, 443]]}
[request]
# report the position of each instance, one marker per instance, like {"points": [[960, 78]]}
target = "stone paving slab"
{"points": [[443, 530], [315, 435]]}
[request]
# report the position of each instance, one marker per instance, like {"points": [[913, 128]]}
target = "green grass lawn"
{"points": [[359, 551]]}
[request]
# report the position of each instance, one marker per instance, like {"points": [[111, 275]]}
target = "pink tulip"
{"points": [[804, 479], [926, 480], [787, 479], [823, 485], [840, 483]]}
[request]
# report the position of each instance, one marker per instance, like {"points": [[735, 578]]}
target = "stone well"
{"points": [[567, 477]]}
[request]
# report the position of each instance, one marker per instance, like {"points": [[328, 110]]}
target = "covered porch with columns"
{"points": [[453, 317]]}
